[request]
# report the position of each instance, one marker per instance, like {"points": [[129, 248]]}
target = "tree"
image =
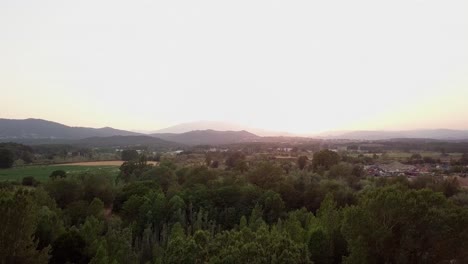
{"points": [[19, 220], [64, 191], [273, 206], [69, 247], [464, 159], [266, 175], [97, 186], [330, 219], [49, 227], [7, 158], [234, 159], [163, 175], [101, 256], [96, 208], [324, 159], [130, 155], [181, 249], [208, 159], [318, 246], [302, 162], [29, 181], [119, 243], [396, 225], [58, 174], [215, 164]]}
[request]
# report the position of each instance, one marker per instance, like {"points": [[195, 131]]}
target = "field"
{"points": [[405, 155], [42, 172], [100, 163]]}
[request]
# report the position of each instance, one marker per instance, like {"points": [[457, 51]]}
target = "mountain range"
{"points": [[38, 131], [209, 137], [38, 128], [218, 126]]}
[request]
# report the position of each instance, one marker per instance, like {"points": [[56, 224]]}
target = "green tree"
{"points": [[266, 175], [29, 181], [69, 247], [324, 159], [330, 219], [119, 244], [129, 155], [163, 175], [19, 221], [302, 162], [96, 208], [234, 159], [396, 225], [49, 227], [101, 256], [319, 247], [64, 191], [58, 174], [273, 206], [7, 158]]}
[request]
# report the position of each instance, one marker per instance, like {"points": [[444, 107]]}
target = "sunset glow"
{"points": [[302, 66]]}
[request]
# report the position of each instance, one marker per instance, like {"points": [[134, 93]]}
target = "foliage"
{"points": [[324, 159], [7, 158], [58, 173], [19, 221], [199, 214], [302, 162], [394, 225], [129, 155]]}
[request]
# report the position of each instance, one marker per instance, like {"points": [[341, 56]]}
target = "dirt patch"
{"points": [[463, 181], [101, 163]]}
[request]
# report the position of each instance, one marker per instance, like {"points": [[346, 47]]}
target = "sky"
{"points": [[297, 66]]}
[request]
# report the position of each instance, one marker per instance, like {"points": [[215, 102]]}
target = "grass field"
{"points": [[405, 155], [42, 172]]}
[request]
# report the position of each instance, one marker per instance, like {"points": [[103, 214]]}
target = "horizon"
{"points": [[240, 127], [302, 68]]}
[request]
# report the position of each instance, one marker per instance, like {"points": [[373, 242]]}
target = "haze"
{"points": [[298, 66]]}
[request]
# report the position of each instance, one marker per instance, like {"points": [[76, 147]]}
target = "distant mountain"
{"points": [[21, 129], [217, 126], [125, 141], [209, 137], [440, 134], [199, 125]]}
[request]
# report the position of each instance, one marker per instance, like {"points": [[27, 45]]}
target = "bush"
{"points": [[29, 181], [58, 173]]}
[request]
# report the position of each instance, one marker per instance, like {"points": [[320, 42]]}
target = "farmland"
{"points": [[42, 172]]}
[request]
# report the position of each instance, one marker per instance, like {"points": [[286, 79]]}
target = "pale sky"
{"points": [[298, 66]]}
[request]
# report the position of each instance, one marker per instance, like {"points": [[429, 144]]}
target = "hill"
{"points": [[126, 141], [23, 129], [217, 126], [209, 137], [440, 134]]}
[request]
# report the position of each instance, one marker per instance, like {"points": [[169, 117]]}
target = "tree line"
{"points": [[244, 213]]}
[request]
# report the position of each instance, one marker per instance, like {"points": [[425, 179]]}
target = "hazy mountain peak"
{"points": [[218, 126]]}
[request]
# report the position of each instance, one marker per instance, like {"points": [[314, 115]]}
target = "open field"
{"points": [[99, 163], [42, 172], [405, 155]]}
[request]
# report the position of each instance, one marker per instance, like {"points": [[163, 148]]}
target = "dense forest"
{"points": [[320, 211]]}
